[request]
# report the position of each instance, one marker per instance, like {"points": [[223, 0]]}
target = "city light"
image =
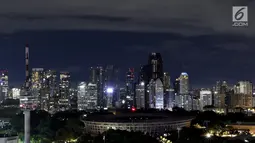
{"points": [[133, 109], [109, 90], [142, 83]]}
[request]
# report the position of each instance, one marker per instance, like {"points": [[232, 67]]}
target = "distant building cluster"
{"points": [[148, 87]]}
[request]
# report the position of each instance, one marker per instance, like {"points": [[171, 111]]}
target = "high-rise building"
{"points": [[97, 76], [176, 86], [156, 94], [64, 88], [15, 93], [145, 75], [91, 96], [73, 98], [140, 95], [167, 86], [205, 98], [243, 87], [184, 84], [156, 62], [37, 77], [87, 96], [50, 90], [81, 96], [242, 97], [221, 87], [130, 88], [3, 85], [112, 82]]}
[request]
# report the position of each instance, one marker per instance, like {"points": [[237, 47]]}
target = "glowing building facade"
{"points": [[156, 94], [130, 88], [64, 88], [81, 96], [37, 76], [3, 85], [205, 98], [184, 84], [140, 95], [15, 93]]}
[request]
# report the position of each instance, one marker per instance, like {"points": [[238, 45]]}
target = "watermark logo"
{"points": [[239, 16]]}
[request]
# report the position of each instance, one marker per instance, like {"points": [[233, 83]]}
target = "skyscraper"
{"points": [[112, 82], [97, 76], [167, 86], [156, 94], [64, 88], [205, 98], [50, 89], [140, 95], [91, 96], [156, 62], [184, 83], [130, 88], [37, 76], [81, 96], [4, 84]]}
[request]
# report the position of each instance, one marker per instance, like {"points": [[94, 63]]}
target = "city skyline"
{"points": [[200, 41]]}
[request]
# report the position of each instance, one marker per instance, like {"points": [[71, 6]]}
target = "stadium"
{"points": [[150, 123]]}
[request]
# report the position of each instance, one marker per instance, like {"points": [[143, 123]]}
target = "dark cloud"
{"points": [[194, 17]]}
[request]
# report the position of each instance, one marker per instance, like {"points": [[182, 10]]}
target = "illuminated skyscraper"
{"points": [[50, 90], [140, 95], [4, 84], [64, 88], [205, 98], [184, 84], [242, 96], [130, 88], [15, 93], [156, 94], [37, 76], [167, 85], [243, 87], [112, 82], [97, 76], [81, 96], [91, 96], [156, 62]]}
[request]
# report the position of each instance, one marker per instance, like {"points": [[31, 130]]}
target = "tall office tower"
{"points": [[36, 87], [91, 96], [184, 84], [219, 100], [242, 97], [15, 93], [109, 97], [130, 88], [73, 98], [3, 85], [97, 76], [145, 75], [205, 98], [167, 86], [50, 90], [156, 94], [112, 82], [221, 87], [64, 88], [81, 96], [243, 87], [123, 97], [176, 86], [140, 95], [156, 62]]}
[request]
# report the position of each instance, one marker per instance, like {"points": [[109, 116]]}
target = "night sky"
{"points": [[195, 36]]}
